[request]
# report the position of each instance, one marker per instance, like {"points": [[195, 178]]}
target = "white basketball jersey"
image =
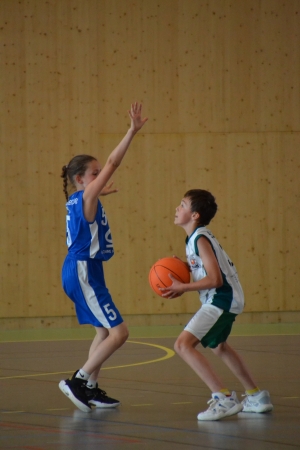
{"points": [[229, 296]]}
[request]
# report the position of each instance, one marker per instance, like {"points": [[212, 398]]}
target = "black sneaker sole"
{"points": [[68, 393]]}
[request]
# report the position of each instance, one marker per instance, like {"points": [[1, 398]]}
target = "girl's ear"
{"points": [[78, 179]]}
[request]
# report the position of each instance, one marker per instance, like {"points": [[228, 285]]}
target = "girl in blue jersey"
{"points": [[221, 294], [89, 244]]}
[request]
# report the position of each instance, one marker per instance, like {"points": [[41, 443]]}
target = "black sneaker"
{"points": [[98, 398], [75, 390]]}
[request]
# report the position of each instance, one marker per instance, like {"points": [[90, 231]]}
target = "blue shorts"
{"points": [[84, 284]]}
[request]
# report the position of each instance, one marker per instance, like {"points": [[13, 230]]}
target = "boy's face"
{"points": [[183, 214]]}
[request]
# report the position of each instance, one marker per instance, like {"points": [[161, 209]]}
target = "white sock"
{"points": [[91, 384], [82, 375]]}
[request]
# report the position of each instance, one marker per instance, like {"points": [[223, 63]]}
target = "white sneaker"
{"points": [[258, 403], [221, 406]]}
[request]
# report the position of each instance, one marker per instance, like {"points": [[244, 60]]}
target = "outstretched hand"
{"points": [[108, 190], [135, 115]]}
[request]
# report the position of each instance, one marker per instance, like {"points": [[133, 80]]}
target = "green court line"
{"points": [[87, 333]]}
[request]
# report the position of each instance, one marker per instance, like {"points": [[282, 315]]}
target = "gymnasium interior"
{"points": [[219, 81]]}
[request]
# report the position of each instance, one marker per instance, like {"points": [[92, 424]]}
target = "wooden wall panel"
{"points": [[220, 83], [257, 191]]}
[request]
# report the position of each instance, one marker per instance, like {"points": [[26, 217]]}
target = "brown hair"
{"points": [[77, 166], [204, 203]]}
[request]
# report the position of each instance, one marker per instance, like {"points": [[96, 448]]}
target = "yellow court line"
{"points": [[144, 404], [57, 409], [169, 354], [182, 403]]}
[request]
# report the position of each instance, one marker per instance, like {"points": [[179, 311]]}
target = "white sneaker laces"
{"points": [[213, 402]]}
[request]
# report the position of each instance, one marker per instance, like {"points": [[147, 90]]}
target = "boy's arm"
{"points": [[213, 278]]}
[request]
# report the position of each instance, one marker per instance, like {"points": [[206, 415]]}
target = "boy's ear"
{"points": [[196, 216]]}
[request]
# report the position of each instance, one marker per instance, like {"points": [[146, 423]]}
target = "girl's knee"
{"points": [[123, 334], [119, 334]]}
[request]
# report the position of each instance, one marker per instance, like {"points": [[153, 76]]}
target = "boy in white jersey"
{"points": [[216, 279], [89, 244]]}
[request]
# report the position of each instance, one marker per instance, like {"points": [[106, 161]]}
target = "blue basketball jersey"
{"points": [[87, 239]]}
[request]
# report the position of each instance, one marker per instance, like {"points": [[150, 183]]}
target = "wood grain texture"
{"points": [[219, 81]]}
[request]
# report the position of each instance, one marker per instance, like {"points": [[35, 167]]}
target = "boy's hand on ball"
{"points": [[175, 290]]}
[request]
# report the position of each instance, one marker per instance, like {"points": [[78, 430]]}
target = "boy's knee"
{"points": [[180, 346], [185, 342], [176, 346]]}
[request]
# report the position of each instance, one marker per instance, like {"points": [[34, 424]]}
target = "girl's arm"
{"points": [[94, 188], [213, 278]]}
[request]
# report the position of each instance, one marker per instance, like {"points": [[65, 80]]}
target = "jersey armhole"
{"points": [[196, 244], [99, 207]]}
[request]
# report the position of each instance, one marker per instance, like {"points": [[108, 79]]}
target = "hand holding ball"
{"points": [[159, 273]]}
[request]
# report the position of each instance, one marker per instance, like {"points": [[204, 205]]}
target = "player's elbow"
{"points": [[218, 282], [113, 162]]}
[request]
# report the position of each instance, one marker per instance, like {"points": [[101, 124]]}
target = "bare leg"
{"points": [[185, 347], [101, 334], [235, 363], [103, 347]]}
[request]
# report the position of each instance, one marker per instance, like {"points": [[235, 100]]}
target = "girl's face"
{"points": [[92, 171]]}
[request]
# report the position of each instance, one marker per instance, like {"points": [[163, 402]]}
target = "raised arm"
{"points": [[94, 188]]}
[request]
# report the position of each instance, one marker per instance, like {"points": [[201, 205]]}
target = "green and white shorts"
{"points": [[211, 325]]}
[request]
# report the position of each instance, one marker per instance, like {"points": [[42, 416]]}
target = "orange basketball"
{"points": [[159, 273]]}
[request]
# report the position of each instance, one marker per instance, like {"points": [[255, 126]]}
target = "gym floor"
{"points": [[160, 395]]}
